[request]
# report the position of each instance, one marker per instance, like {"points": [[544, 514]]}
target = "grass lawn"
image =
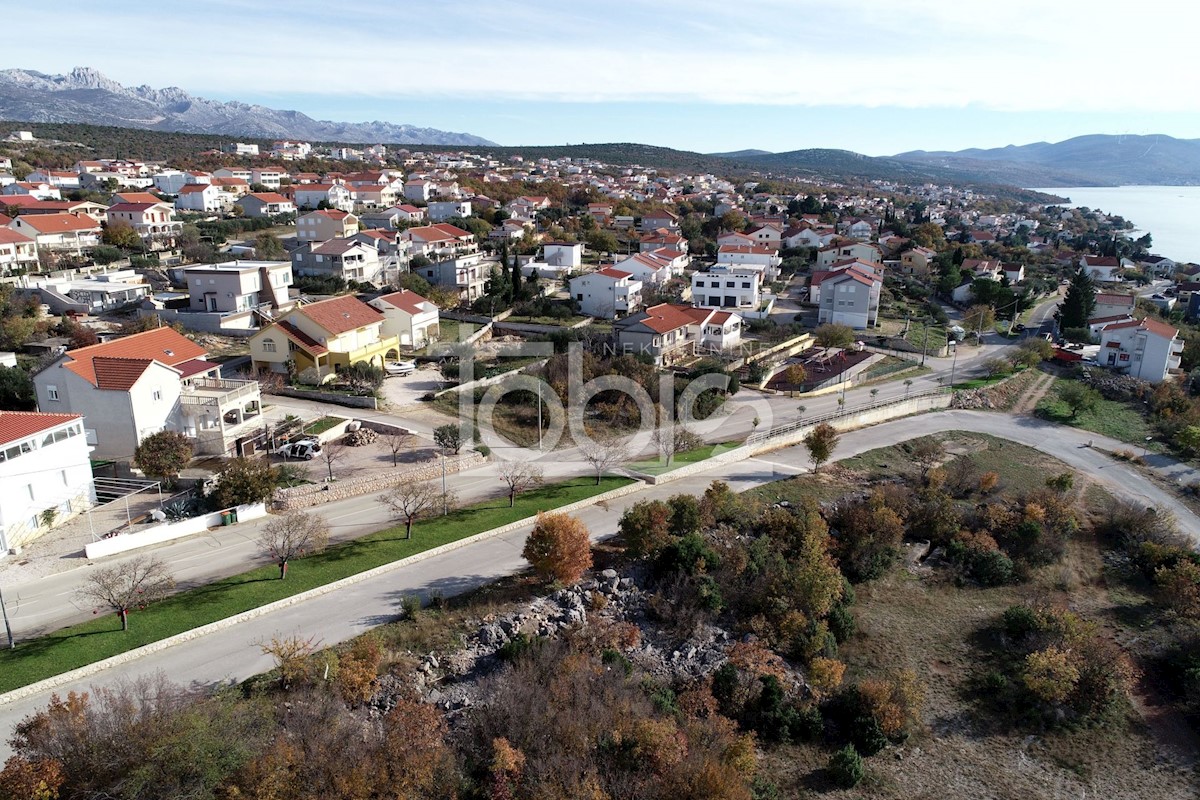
{"points": [[1121, 421], [658, 467], [322, 425], [101, 638], [561, 322], [916, 337]]}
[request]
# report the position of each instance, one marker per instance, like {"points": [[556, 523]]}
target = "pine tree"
{"points": [[1079, 304], [516, 278]]}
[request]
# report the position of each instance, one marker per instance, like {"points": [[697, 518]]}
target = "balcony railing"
{"points": [[218, 392]]}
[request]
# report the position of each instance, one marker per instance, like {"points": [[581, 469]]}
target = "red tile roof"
{"points": [[135, 197], [665, 317], [1150, 325], [60, 223], [340, 314], [405, 300], [301, 338], [269, 197], [135, 207], [119, 374], [18, 425], [615, 274], [8, 236], [165, 345], [1115, 299], [194, 188]]}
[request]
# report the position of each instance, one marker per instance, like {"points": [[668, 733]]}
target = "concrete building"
{"points": [[408, 316], [45, 474], [326, 224], [606, 293], [1145, 349], [347, 259], [728, 287]]}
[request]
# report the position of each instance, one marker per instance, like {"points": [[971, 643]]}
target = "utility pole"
{"points": [[953, 364], [12, 643], [445, 499], [925, 343]]}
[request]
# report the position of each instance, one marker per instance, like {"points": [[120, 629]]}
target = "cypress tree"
{"points": [[1079, 304]]}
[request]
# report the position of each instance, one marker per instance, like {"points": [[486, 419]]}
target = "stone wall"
{"points": [[328, 397], [310, 495]]}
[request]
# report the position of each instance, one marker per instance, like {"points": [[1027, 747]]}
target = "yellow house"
{"points": [[320, 339]]}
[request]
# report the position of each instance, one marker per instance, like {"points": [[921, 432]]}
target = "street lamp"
{"points": [[1146, 445]]}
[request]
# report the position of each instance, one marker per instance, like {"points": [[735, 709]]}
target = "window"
{"points": [[52, 392], [158, 394], [700, 284], [268, 345], [745, 284]]}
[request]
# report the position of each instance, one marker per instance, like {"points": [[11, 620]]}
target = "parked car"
{"points": [[399, 369], [307, 449], [1019, 327]]}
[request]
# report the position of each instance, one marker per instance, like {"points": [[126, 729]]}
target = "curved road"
{"points": [[233, 654]]}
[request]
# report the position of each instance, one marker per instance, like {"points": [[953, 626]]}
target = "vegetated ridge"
{"points": [[85, 95], [1095, 160]]}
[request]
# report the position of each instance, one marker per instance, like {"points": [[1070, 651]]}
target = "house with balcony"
{"points": [[917, 261], [347, 259], [90, 294], [848, 296], [316, 341], [606, 293], [442, 210], [154, 222], [38, 191], [270, 177], [1143, 348], [1104, 269], [393, 218], [312, 195], [662, 238], [841, 251], [408, 316], [669, 333], [1109, 304], [441, 241], [45, 474], [233, 296], [726, 286], [265, 204], [18, 253], [138, 385], [72, 233], [326, 224], [467, 274], [201, 197], [654, 267], [761, 258]]}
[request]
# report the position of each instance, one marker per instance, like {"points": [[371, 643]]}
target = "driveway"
{"points": [[402, 393]]}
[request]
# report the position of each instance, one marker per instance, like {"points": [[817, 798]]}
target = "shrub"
{"points": [[846, 767], [1020, 622], [559, 547]]}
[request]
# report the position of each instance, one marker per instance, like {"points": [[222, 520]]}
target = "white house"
{"points": [[265, 204], [45, 474], [728, 287], [442, 210], [762, 258], [203, 197], [347, 259], [1145, 349], [154, 223], [18, 253], [418, 189], [68, 232], [1110, 304], [563, 254], [38, 191], [409, 316], [829, 255], [1102, 269], [606, 293], [138, 385], [311, 195], [656, 267]]}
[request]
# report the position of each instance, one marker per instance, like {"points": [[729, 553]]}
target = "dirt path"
{"points": [[1028, 401]]}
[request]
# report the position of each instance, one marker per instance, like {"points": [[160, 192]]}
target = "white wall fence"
{"points": [[169, 531]]}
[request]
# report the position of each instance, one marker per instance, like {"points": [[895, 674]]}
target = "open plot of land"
{"points": [[1121, 421]]}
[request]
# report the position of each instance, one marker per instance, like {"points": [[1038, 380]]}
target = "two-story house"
{"points": [[1103, 269], [45, 474], [563, 254], [237, 286], [72, 233], [728, 286], [312, 195], [316, 341], [154, 222], [662, 238], [18, 253], [606, 293], [1109, 304], [864, 251], [655, 266], [917, 261], [1144, 348], [849, 296], [202, 197], [265, 204], [442, 210], [408, 316], [441, 241], [347, 259], [761, 258], [138, 385], [326, 224], [668, 333]]}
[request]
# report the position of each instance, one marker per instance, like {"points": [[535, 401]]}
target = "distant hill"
{"points": [[1096, 160], [742, 154], [86, 96]]}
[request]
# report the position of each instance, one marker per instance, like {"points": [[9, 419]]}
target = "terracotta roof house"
{"points": [[316, 341], [137, 385]]}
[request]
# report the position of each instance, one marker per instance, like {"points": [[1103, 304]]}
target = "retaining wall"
{"points": [[327, 397], [169, 531], [310, 495]]}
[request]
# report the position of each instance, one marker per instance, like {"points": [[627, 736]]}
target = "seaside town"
{"points": [[719, 450]]}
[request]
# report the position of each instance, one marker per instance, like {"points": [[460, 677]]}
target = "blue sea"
{"points": [[1168, 213]]}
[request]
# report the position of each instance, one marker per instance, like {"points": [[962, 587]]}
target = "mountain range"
{"points": [[86, 96]]}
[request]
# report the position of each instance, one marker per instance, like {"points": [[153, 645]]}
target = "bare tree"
{"points": [[409, 501], [133, 584], [396, 440], [331, 453], [519, 476], [605, 455], [671, 440], [293, 535], [291, 654]]}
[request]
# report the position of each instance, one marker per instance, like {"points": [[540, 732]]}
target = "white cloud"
{"points": [[1018, 55]]}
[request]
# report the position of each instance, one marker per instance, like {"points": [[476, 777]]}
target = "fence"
{"points": [[853, 415]]}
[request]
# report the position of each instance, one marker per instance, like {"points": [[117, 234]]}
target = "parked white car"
{"points": [[307, 449]]}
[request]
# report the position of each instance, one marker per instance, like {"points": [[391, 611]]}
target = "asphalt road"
{"points": [[233, 654]]}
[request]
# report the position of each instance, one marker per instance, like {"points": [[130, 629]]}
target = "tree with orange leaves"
{"points": [[559, 548]]}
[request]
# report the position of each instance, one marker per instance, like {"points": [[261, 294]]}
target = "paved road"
{"points": [[233, 654]]}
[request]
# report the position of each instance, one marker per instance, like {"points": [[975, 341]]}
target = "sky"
{"points": [[875, 76]]}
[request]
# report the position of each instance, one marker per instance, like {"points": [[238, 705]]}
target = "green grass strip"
{"points": [[657, 467], [79, 645]]}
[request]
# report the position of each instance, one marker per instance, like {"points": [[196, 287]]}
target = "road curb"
{"points": [[213, 627]]}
